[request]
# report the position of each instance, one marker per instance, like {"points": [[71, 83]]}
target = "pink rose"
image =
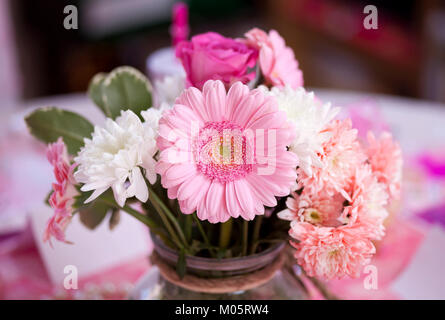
{"points": [[211, 56], [277, 61]]}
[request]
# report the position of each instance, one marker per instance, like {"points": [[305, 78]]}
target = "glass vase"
{"points": [[260, 276]]}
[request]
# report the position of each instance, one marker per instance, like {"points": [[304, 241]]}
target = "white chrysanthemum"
{"points": [[310, 117], [151, 116], [115, 155], [169, 88]]}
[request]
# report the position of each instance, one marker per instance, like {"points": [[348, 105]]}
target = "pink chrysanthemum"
{"points": [[64, 191], [385, 157], [319, 209], [369, 201], [225, 154], [330, 253], [340, 157], [321, 219], [277, 61], [363, 201]]}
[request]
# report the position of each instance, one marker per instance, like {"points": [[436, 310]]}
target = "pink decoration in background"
{"points": [[210, 56], [23, 276], [435, 214], [179, 29], [434, 164], [23, 171], [366, 116], [10, 75]]}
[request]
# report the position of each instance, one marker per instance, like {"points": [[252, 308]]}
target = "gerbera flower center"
{"points": [[222, 152]]}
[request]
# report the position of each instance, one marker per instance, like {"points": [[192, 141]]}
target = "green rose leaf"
{"points": [[122, 89], [50, 123]]}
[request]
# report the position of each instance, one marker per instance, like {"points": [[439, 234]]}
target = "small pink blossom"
{"points": [[64, 191], [277, 61], [385, 157], [210, 56]]}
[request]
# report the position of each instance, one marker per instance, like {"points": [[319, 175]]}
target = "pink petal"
{"points": [[215, 100]]}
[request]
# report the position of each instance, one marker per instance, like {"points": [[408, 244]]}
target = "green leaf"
{"points": [[50, 123], [93, 214], [122, 89], [48, 197], [114, 219], [79, 200], [95, 92], [182, 264]]}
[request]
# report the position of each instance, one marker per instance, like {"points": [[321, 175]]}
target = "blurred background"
{"points": [[404, 56]]}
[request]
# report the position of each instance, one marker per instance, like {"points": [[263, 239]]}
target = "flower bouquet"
{"points": [[241, 163]]}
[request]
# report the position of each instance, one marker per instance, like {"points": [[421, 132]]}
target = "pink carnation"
{"points": [[385, 157], [64, 191], [341, 155], [321, 221], [277, 61], [225, 154], [369, 200], [319, 208], [330, 253]]}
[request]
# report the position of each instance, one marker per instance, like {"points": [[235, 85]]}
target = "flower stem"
{"points": [[154, 227], [245, 237], [169, 214], [225, 233], [256, 233], [188, 227], [166, 222], [203, 234]]}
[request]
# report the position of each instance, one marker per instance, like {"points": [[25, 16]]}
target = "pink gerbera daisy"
{"points": [[225, 154], [277, 61], [64, 191]]}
